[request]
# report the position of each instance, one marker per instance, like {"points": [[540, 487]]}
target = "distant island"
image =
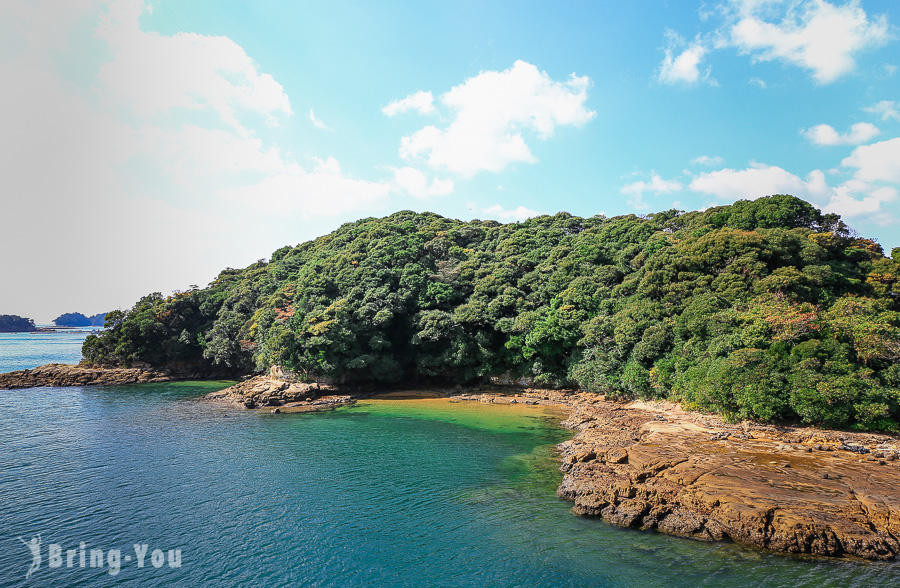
{"points": [[76, 319], [10, 323]]}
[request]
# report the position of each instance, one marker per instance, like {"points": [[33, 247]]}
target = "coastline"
{"points": [[654, 466], [64, 375], [651, 465]]}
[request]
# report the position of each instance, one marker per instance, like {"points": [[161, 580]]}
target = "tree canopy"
{"points": [[76, 319], [764, 309], [11, 323]]}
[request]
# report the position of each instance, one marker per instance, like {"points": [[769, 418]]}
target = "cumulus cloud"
{"points": [[878, 162], [685, 66], [322, 191], [150, 128], [490, 112], [154, 74], [656, 185], [707, 160], [415, 182], [813, 34], [850, 201], [421, 102], [886, 109], [756, 181], [864, 195], [518, 213], [826, 135]]}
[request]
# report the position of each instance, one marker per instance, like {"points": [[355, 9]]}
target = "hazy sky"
{"points": [[148, 145]]}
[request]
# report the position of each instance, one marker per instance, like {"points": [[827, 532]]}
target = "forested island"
{"points": [[11, 323], [76, 319], [767, 310]]}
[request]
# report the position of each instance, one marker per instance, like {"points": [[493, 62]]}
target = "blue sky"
{"points": [[151, 144]]}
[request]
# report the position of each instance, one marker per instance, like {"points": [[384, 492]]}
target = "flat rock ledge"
{"points": [[286, 397], [62, 374], [652, 465]]}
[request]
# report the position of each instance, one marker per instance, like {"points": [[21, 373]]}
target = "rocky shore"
{"points": [[62, 375], [652, 465]]}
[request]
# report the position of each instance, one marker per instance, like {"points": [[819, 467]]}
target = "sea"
{"points": [[147, 486]]}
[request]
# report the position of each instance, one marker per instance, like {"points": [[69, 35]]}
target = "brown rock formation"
{"points": [[800, 490], [262, 391], [62, 375]]}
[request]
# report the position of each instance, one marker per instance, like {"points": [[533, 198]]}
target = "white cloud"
{"points": [[137, 133], [863, 202], [813, 34], [758, 82], [707, 160], [421, 102], [878, 162], [156, 74], [324, 191], [518, 213], [317, 122], [826, 135], [757, 181], [685, 67], [490, 113], [862, 196], [886, 109], [656, 185], [415, 182]]}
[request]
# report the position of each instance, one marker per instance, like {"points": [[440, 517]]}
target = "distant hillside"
{"points": [[10, 323], [76, 319], [764, 309]]}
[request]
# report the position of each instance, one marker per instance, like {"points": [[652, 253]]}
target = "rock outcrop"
{"points": [[652, 465], [61, 374], [266, 391], [799, 490]]}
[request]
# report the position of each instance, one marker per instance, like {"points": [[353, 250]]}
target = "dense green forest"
{"points": [[76, 319], [764, 309], [10, 323]]}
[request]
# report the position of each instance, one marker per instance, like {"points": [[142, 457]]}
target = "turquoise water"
{"points": [[387, 493]]}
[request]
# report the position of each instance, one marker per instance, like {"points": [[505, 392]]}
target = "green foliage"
{"points": [[76, 319], [763, 309], [11, 323]]}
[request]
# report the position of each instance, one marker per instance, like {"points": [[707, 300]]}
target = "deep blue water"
{"points": [[391, 493]]}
